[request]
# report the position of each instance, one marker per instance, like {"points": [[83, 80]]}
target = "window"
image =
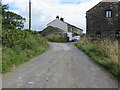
{"points": [[118, 33], [98, 34], [108, 14]]}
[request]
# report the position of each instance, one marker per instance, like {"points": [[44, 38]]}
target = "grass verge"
{"points": [[103, 52], [56, 38], [20, 46]]}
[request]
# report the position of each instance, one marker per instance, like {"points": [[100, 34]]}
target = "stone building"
{"points": [[67, 28], [103, 20]]}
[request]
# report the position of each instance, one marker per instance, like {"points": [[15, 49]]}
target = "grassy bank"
{"points": [[20, 46], [103, 52], [0, 59], [56, 38]]}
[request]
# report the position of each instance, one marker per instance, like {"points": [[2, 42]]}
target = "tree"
{"points": [[4, 7], [11, 20]]}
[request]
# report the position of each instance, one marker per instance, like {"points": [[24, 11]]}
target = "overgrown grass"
{"points": [[56, 38], [103, 52], [20, 46], [0, 59]]}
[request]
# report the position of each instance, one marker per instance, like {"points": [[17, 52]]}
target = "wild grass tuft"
{"points": [[56, 38], [104, 52]]}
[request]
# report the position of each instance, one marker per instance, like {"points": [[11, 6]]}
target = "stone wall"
{"points": [[98, 25], [75, 31], [119, 18]]}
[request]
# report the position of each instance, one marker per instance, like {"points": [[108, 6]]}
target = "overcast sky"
{"points": [[44, 11]]}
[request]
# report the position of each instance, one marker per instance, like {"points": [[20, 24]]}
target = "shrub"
{"points": [[56, 38], [19, 46]]}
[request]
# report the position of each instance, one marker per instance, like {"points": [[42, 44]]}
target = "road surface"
{"points": [[63, 66]]}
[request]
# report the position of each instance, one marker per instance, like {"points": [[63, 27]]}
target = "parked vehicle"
{"points": [[75, 38]]}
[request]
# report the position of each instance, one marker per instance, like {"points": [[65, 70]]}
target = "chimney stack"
{"points": [[57, 17], [62, 19]]}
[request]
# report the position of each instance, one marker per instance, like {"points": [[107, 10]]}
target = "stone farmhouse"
{"points": [[67, 28], [103, 20]]}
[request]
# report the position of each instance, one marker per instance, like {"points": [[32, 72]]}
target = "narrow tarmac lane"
{"points": [[63, 66]]}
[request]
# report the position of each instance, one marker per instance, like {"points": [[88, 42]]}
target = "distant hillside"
{"points": [[50, 31]]}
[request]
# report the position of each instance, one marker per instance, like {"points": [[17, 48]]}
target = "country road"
{"points": [[63, 66]]}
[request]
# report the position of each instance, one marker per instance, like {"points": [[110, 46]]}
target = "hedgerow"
{"points": [[19, 46]]}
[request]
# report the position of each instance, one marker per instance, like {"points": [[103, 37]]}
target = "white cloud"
{"points": [[8, 1], [44, 11]]}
